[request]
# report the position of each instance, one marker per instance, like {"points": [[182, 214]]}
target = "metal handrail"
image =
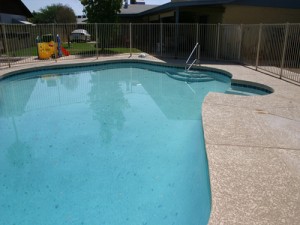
{"points": [[195, 60], [187, 61]]}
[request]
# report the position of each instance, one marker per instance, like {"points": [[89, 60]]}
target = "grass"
{"points": [[32, 51], [76, 49]]}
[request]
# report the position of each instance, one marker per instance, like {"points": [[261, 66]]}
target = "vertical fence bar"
{"points": [[284, 49], [198, 41], [176, 40], [6, 45], [97, 50], [258, 46], [161, 38], [12, 44], [240, 44], [54, 39], [130, 39], [197, 33], [217, 41], [198, 54]]}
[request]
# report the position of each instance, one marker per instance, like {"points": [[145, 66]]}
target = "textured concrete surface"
{"points": [[252, 144], [253, 150]]}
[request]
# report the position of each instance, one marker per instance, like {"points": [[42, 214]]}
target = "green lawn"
{"points": [[76, 49], [32, 51]]}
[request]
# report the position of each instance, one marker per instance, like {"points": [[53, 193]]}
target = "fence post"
{"points": [[55, 41], [161, 38], [241, 40], [198, 54], [6, 45], [130, 41], [218, 40], [176, 41], [197, 40], [97, 50], [258, 46], [197, 33], [284, 49]]}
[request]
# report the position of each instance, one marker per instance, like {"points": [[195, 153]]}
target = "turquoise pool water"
{"points": [[109, 144]]}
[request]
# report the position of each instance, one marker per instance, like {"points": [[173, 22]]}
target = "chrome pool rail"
{"points": [[273, 48], [187, 65]]}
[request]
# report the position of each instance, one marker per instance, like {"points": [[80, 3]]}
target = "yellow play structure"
{"points": [[47, 50]]}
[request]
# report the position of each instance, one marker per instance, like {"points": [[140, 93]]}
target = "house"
{"points": [[141, 2], [132, 12], [14, 11], [219, 11]]}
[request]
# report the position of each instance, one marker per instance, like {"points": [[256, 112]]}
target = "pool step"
{"points": [[190, 77], [236, 92]]}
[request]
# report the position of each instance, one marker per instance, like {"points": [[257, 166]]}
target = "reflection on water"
{"points": [[18, 152], [31, 94], [111, 144], [107, 101]]}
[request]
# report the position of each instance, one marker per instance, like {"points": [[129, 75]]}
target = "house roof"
{"points": [[15, 7], [293, 4], [134, 9]]}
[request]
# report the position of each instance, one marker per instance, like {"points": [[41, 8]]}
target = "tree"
{"points": [[102, 11], [55, 13]]}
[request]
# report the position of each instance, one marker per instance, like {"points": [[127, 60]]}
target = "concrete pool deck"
{"points": [[253, 150], [252, 145]]}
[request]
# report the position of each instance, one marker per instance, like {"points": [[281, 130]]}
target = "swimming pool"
{"points": [[117, 143]]}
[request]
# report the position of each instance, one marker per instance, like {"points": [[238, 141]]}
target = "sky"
{"points": [[35, 5]]}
